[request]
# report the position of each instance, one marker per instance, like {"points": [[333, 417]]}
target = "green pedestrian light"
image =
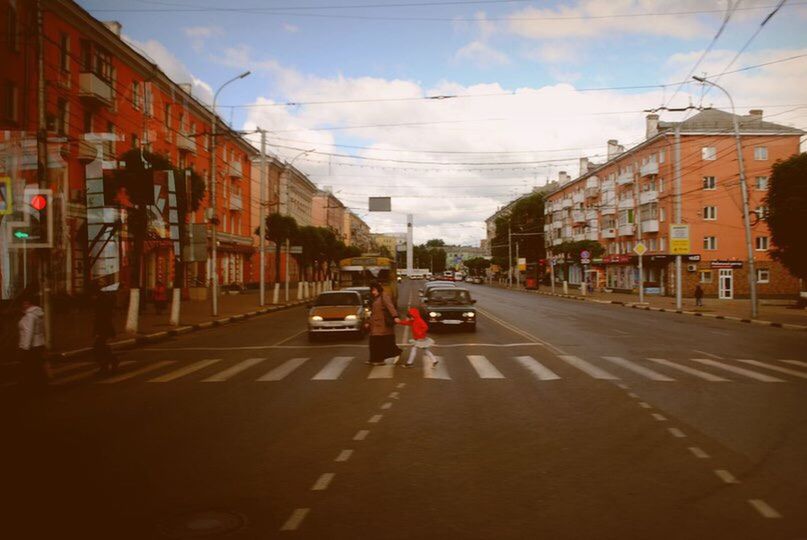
{"points": [[22, 235]]}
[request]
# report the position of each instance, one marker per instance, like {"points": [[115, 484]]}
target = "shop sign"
{"points": [[671, 258], [725, 264], [616, 259]]}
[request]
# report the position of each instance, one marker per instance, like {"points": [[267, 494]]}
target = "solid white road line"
{"points": [[795, 362], [282, 341], [382, 372], [440, 371], [361, 434], [698, 453], [234, 370], [376, 418], [726, 476], [764, 509], [659, 417], [333, 369], [787, 371], [283, 370], [675, 432], [145, 369], [636, 368], [295, 519], [589, 369], [691, 371], [484, 368], [323, 482], [537, 369], [737, 370], [181, 372], [344, 455]]}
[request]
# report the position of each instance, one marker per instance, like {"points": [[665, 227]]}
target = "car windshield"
{"points": [[338, 299], [365, 294], [449, 296]]}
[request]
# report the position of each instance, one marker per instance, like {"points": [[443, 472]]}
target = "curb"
{"points": [[636, 305], [147, 339]]}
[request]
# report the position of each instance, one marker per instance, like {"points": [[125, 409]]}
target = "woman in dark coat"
{"points": [[383, 317]]}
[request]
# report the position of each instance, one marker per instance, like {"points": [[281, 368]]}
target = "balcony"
{"points": [[624, 179], [592, 235], [186, 143], [547, 227], [236, 203], [608, 209], [592, 182], [566, 203], [607, 185], [626, 230], [579, 237], [94, 88], [646, 197], [557, 224], [236, 170], [566, 232], [649, 168], [649, 225], [626, 204], [592, 192], [608, 233], [557, 242], [577, 197], [578, 216], [591, 214]]}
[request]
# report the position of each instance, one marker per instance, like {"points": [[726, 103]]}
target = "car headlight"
{"points": [[316, 318], [350, 318], [433, 314], [469, 314]]}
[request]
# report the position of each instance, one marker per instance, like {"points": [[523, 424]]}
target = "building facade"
{"points": [[329, 212], [357, 232], [631, 199]]}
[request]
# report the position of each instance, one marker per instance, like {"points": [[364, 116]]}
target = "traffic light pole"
{"points": [[42, 172]]}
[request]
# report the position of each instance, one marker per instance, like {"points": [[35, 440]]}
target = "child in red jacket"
{"points": [[420, 329]]}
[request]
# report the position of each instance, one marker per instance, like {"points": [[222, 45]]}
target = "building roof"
{"points": [[712, 120]]}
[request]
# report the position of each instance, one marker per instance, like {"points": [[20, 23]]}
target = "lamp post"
{"points": [[752, 274], [287, 212], [214, 128]]}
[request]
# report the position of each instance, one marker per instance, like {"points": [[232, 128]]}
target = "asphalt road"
{"points": [[556, 419]]}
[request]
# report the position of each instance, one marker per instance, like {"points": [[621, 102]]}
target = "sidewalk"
{"points": [[777, 311], [73, 329]]}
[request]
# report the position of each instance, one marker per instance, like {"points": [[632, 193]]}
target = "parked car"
{"points": [[449, 306], [335, 312]]}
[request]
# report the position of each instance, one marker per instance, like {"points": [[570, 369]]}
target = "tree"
{"points": [[435, 242], [279, 228], [477, 265], [526, 217], [310, 238], [787, 211]]}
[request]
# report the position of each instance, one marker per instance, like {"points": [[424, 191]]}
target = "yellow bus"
{"points": [[361, 271]]}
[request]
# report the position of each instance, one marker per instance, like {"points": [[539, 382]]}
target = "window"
{"points": [[660, 184], [706, 276], [709, 182], [61, 117], [87, 122], [709, 153], [710, 212], [662, 243], [109, 146], [761, 183], [761, 153], [136, 95], [710, 243], [661, 156], [135, 140], [761, 243], [13, 30], [167, 113], [661, 214], [64, 52], [761, 212], [10, 102], [763, 275]]}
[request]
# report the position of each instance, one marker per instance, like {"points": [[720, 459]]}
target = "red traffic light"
{"points": [[39, 202]]}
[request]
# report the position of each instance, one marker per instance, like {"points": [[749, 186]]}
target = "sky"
{"points": [[455, 107]]}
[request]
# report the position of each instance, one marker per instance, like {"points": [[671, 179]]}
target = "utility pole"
{"points": [[637, 218], [42, 170], [677, 150], [262, 218], [518, 272], [752, 273], [409, 240]]}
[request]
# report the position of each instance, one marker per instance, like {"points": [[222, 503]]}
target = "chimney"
{"points": [[187, 88], [614, 149], [114, 26], [755, 114], [583, 166], [563, 177], [651, 126]]}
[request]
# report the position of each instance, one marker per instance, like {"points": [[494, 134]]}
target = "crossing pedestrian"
{"points": [[381, 325], [31, 345], [421, 340], [103, 330], [698, 295]]}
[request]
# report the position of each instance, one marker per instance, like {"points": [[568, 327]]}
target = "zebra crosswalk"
{"points": [[454, 367]]}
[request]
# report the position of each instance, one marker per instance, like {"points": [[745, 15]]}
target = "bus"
{"points": [[361, 271]]}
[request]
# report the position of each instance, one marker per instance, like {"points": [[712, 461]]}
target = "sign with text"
{"points": [[679, 239], [725, 264], [380, 204]]}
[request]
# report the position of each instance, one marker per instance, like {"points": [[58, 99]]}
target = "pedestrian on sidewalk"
{"points": [[421, 339], [160, 297], [31, 347], [698, 295], [103, 330], [381, 325]]}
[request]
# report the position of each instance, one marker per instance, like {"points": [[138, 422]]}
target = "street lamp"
{"points": [[285, 178], [752, 274], [214, 124]]}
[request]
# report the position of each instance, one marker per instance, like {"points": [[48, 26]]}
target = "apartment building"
{"points": [[357, 232], [329, 212], [631, 198], [101, 97], [490, 222]]}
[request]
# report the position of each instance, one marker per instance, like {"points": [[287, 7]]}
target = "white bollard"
{"points": [[299, 290], [305, 289], [276, 293], [565, 287], [132, 315], [583, 288], [176, 300]]}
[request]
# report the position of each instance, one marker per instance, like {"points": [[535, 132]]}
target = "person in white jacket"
{"points": [[32, 343]]}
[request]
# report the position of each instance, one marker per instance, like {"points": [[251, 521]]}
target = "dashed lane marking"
{"points": [[691, 371], [764, 509], [187, 370], [536, 368], [738, 370], [400, 385], [361, 435], [659, 417], [283, 370], [677, 433], [333, 369], [636, 368], [698, 453], [632, 395], [234, 370], [726, 476], [386, 405], [344, 455], [589, 369], [645, 405], [323, 482], [376, 418], [295, 519], [394, 395], [484, 368], [145, 369]]}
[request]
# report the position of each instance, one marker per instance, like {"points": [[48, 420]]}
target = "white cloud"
{"points": [[173, 67], [199, 35], [555, 52], [481, 54], [291, 28]]}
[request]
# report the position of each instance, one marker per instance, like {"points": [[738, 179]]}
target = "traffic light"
{"points": [[34, 227]]}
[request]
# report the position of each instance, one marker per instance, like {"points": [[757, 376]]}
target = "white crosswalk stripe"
{"points": [[692, 371], [795, 362], [187, 370], [636, 368], [132, 374], [738, 370], [440, 371], [536, 368], [588, 369], [382, 372], [234, 370], [333, 369], [283, 370], [484, 368], [787, 371], [75, 377]]}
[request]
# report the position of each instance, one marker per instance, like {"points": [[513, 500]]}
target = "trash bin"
{"points": [[531, 283]]}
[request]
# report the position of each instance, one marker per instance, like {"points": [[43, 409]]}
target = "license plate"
{"points": [[452, 322]]}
